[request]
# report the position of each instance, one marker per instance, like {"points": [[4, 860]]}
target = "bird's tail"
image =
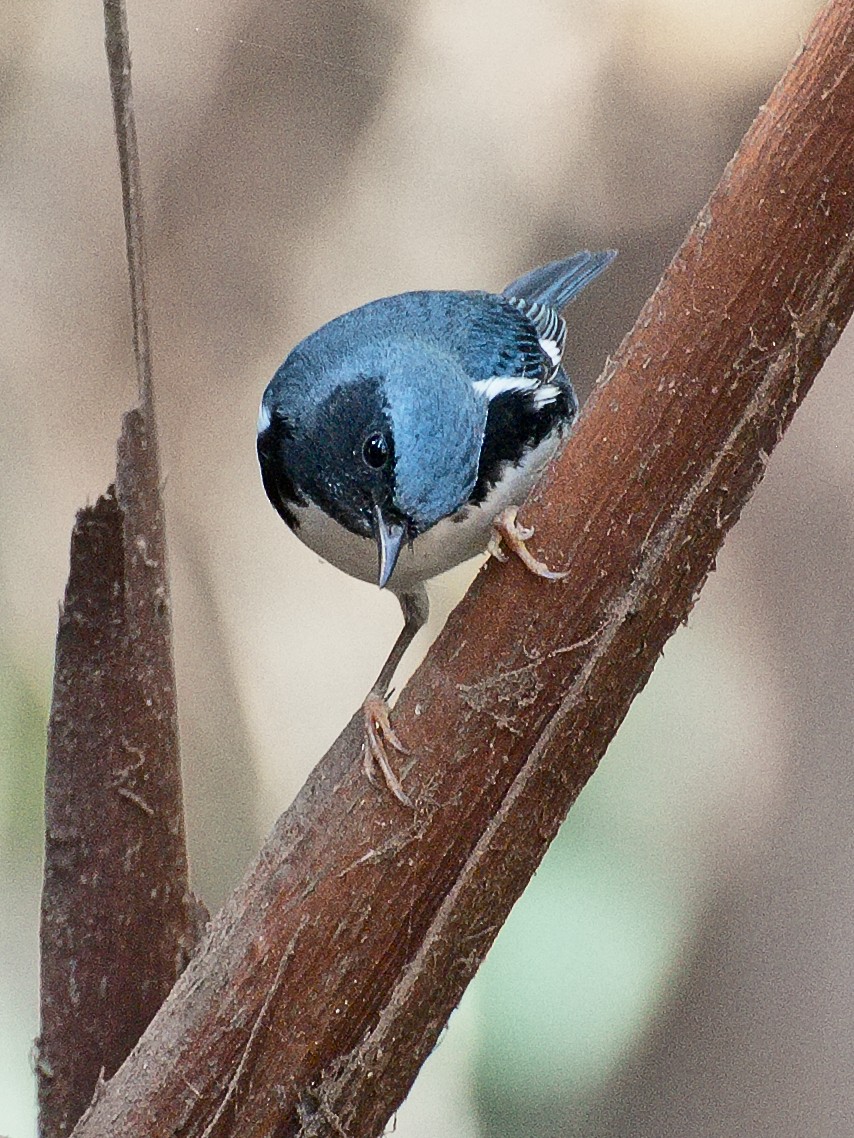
{"points": [[557, 283]]}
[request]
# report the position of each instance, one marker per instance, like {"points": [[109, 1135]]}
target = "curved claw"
{"points": [[506, 528], [378, 733]]}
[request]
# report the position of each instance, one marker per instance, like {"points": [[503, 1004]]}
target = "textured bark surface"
{"points": [[329, 974], [117, 919]]}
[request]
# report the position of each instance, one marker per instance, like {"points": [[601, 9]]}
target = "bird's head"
{"points": [[384, 439]]}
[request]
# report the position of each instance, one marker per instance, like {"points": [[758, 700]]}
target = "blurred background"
{"points": [[682, 963]]}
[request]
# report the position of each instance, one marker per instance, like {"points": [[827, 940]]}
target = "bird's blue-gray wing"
{"points": [[555, 284]]}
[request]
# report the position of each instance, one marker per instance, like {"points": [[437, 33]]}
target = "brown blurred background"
{"points": [[682, 964]]}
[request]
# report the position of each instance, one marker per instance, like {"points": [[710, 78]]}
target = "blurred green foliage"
{"points": [[600, 936], [23, 715]]}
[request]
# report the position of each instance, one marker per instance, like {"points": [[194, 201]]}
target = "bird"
{"points": [[400, 438]]}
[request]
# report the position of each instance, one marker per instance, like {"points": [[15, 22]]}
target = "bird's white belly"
{"points": [[451, 541]]}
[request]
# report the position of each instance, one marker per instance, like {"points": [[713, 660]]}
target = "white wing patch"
{"points": [[541, 393], [501, 384], [547, 393], [264, 418]]}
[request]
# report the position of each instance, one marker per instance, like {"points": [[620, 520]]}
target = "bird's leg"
{"points": [[506, 528], [378, 730]]}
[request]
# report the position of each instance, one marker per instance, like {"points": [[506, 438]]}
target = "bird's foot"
{"points": [[378, 734], [506, 528]]}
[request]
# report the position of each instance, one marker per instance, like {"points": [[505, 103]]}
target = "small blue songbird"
{"points": [[398, 440]]}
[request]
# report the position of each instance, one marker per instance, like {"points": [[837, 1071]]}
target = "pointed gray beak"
{"points": [[389, 540]]}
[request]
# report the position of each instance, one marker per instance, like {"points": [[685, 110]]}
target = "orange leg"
{"points": [[379, 733], [507, 529]]}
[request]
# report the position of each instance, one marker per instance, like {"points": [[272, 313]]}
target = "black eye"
{"points": [[375, 451]]}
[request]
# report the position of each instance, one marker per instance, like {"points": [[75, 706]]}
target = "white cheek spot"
{"points": [[264, 417], [501, 384]]}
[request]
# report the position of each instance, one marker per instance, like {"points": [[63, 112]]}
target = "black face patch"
{"points": [[278, 483], [515, 425], [340, 456]]}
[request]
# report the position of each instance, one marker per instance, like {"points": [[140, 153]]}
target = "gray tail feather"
{"points": [[557, 283]]}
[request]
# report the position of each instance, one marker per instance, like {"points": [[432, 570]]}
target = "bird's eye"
{"points": [[375, 451]]}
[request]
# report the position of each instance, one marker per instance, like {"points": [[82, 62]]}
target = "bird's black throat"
{"points": [[515, 425]]}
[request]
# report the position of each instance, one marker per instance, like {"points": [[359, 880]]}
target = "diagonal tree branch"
{"points": [[327, 977], [117, 920]]}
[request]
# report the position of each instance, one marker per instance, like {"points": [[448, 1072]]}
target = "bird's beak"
{"points": [[389, 540]]}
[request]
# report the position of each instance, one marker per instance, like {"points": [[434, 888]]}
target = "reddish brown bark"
{"points": [[328, 975], [117, 919]]}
